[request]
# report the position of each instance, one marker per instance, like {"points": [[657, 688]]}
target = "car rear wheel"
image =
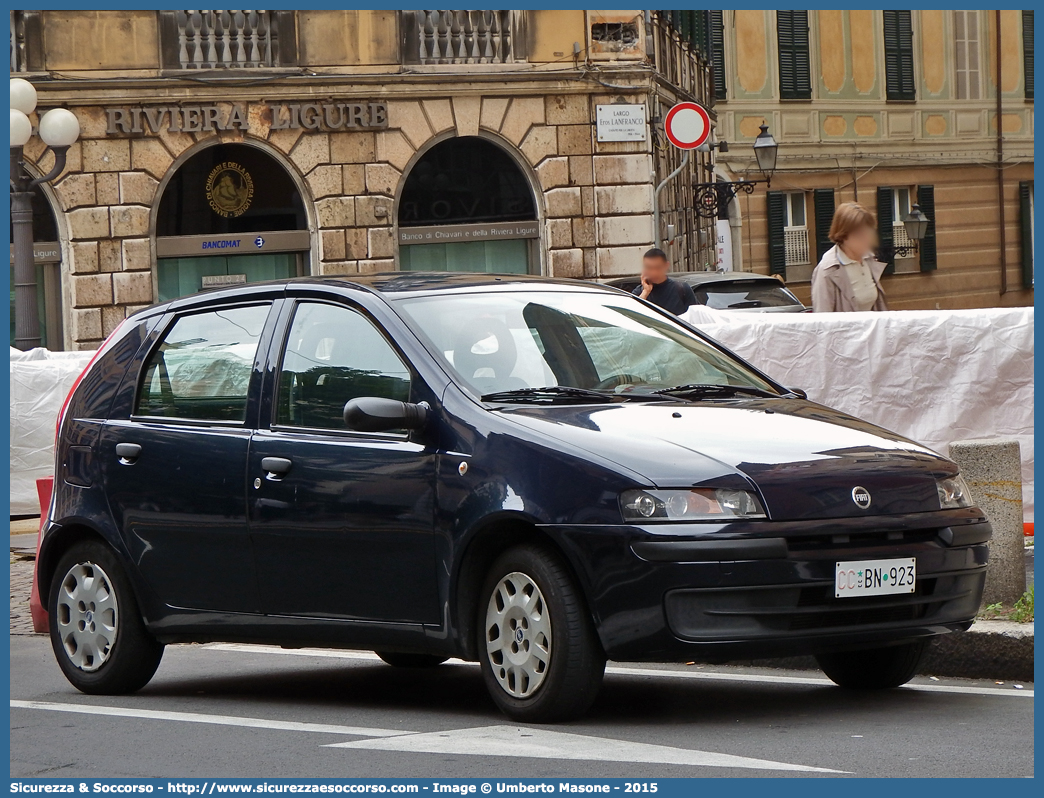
{"points": [[97, 632], [399, 660], [873, 669], [541, 658]]}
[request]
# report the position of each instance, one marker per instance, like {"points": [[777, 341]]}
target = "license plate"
{"points": [[875, 577]]}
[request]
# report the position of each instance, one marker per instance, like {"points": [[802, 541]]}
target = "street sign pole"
{"points": [[687, 126]]}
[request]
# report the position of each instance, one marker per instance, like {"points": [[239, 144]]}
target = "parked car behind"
{"points": [[532, 474], [731, 291]]}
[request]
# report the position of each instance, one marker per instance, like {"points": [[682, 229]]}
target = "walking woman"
{"points": [[848, 278]]}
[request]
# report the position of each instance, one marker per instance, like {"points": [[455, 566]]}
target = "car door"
{"points": [[175, 469], [342, 521]]}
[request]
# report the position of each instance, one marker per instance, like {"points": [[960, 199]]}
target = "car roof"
{"points": [[699, 278], [391, 285]]}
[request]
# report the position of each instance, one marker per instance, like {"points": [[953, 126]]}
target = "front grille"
{"points": [[860, 540]]}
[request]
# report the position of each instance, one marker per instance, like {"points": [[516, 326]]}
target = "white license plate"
{"points": [[874, 577]]}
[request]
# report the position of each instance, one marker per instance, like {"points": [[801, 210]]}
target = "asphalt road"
{"points": [[239, 711]]}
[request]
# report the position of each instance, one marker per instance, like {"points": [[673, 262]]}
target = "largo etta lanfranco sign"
{"points": [[207, 118]]}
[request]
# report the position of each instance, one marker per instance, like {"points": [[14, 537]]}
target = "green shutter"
{"points": [[929, 256], [885, 235], [1027, 52], [776, 241], [823, 207], [795, 80], [1026, 224], [898, 51], [717, 47]]}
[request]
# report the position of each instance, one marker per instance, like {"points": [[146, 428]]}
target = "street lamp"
{"points": [[765, 151], [59, 130], [916, 224], [711, 200]]}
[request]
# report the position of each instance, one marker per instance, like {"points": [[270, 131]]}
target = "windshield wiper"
{"points": [[704, 389], [548, 393]]}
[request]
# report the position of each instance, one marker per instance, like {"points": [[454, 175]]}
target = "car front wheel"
{"points": [[875, 668], [541, 658], [97, 632]]}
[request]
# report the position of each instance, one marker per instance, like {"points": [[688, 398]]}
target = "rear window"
{"points": [[201, 369], [732, 295]]}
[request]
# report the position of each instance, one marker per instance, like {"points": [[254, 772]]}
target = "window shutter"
{"points": [[795, 81], [717, 47], [823, 207], [1026, 220], [885, 235], [776, 240], [1027, 52], [929, 257], [898, 49]]}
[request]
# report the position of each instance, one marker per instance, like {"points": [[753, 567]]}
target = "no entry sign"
{"points": [[687, 125]]}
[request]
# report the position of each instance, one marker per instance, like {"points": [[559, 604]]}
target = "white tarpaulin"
{"points": [[40, 381], [935, 376]]}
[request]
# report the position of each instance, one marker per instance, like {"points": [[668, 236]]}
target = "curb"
{"points": [[997, 650]]}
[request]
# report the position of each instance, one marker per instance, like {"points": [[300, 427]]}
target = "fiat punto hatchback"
{"points": [[534, 474]]}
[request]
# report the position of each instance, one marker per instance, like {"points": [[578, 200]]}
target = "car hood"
{"points": [[803, 458]]}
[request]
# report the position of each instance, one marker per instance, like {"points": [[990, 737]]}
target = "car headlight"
{"points": [[953, 493], [690, 504]]}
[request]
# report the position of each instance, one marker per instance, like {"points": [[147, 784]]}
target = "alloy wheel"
{"points": [[87, 616], [518, 635]]}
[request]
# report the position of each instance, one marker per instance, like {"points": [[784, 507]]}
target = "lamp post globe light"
{"points": [[59, 129]]}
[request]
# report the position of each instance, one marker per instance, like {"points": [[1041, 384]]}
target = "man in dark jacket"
{"points": [[671, 295]]}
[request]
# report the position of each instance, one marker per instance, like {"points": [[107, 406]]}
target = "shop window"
{"points": [[966, 54], [230, 188], [465, 180]]}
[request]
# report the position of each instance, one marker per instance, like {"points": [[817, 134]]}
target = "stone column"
{"points": [[993, 470]]}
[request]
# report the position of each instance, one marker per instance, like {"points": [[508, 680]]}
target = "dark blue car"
{"points": [[534, 474]]}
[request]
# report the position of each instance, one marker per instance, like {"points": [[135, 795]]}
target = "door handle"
{"points": [[275, 467], [128, 453]]}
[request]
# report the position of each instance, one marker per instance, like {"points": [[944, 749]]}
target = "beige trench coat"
{"points": [[831, 288]]}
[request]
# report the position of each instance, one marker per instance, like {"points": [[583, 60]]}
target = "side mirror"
{"points": [[800, 394], [375, 414]]}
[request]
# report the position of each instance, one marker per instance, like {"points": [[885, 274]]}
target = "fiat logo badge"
{"points": [[861, 497]]}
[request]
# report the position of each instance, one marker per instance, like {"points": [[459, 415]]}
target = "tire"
{"points": [[397, 660], [124, 656], [541, 658], [873, 669]]}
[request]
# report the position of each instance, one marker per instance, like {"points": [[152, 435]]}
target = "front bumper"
{"points": [[765, 589]]}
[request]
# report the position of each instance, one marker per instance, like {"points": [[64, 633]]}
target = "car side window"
{"points": [[334, 354], [201, 369]]}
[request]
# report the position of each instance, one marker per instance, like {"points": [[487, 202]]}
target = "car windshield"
{"points": [[597, 341], [744, 294]]}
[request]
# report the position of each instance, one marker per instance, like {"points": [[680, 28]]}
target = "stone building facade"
{"points": [[888, 108], [294, 137]]}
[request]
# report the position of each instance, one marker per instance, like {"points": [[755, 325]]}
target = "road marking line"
{"points": [[539, 743], [196, 717], [483, 741], [757, 678]]}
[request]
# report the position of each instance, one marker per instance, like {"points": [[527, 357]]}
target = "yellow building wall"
{"points": [[550, 35], [100, 40], [347, 38]]}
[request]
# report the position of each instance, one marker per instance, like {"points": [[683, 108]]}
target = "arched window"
{"points": [[230, 214], [467, 206]]}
